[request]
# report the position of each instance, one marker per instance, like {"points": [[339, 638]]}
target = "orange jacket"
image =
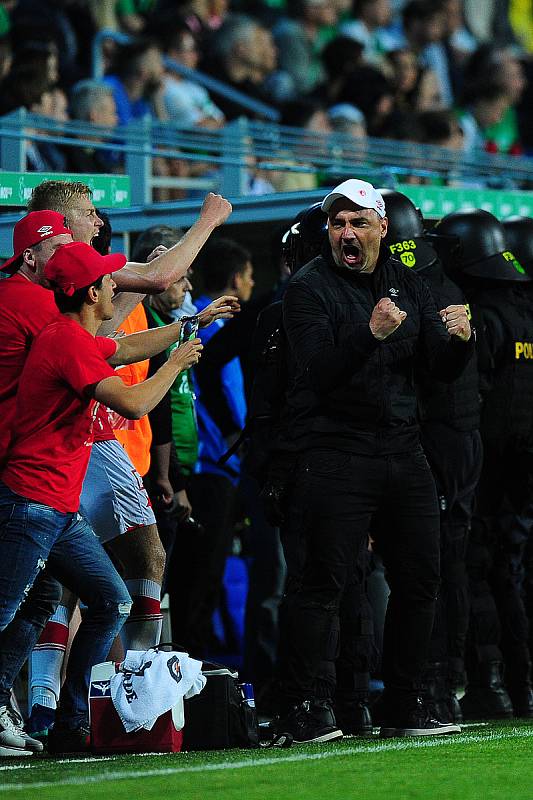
{"points": [[135, 435]]}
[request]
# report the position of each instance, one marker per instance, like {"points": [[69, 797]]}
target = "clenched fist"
{"points": [[386, 317], [215, 209], [456, 320]]}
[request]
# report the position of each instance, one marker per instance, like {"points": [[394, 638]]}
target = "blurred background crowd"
{"points": [[451, 73]]}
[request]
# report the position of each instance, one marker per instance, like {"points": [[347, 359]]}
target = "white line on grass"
{"points": [[36, 764], [379, 747]]}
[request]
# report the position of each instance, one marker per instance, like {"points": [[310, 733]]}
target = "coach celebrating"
{"points": [[357, 320]]}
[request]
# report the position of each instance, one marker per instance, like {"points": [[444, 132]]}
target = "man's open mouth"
{"points": [[351, 255]]}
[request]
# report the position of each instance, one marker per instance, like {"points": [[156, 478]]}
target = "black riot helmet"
{"points": [[473, 243], [304, 239], [405, 233], [519, 240]]}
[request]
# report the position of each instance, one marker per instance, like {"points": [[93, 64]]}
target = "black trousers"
{"points": [[197, 563], [455, 458], [266, 571], [335, 497], [499, 561]]}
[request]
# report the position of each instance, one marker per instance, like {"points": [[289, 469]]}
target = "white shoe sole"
{"points": [[13, 752], [444, 730], [326, 737]]}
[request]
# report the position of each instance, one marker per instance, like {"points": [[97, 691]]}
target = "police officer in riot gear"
{"points": [[500, 294], [449, 424], [519, 240]]}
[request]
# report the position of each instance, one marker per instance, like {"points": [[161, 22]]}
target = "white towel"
{"points": [[150, 683]]}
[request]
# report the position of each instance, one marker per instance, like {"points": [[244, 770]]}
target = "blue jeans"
{"points": [[21, 635], [33, 535]]}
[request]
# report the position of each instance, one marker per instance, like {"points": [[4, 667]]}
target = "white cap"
{"points": [[359, 192]]}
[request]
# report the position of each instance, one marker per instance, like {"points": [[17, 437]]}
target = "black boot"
{"points": [[436, 691], [488, 698], [352, 710], [521, 690], [354, 718]]}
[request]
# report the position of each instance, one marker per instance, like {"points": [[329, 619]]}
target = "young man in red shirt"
{"points": [[64, 378], [114, 499]]}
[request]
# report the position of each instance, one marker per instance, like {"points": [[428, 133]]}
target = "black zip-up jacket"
{"points": [[456, 404], [347, 389]]}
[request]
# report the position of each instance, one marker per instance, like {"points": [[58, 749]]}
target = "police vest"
{"points": [[456, 404], [507, 412]]}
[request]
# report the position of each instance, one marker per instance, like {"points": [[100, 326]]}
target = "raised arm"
{"points": [[164, 270], [133, 402], [145, 344]]}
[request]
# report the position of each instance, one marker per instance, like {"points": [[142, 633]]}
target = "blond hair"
{"points": [[57, 196]]}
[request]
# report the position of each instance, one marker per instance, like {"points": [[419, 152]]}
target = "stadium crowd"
{"points": [[370, 416], [448, 73]]}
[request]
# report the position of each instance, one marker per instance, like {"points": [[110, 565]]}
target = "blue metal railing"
{"points": [[225, 158]]}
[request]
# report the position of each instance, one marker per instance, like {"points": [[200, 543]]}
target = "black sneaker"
{"points": [[66, 740], [415, 720], [311, 721]]}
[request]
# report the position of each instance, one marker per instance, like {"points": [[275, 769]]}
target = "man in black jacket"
{"points": [[356, 321]]}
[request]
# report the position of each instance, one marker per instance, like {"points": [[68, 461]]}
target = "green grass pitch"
{"points": [[485, 762]]}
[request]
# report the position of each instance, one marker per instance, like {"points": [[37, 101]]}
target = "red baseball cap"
{"points": [[76, 265], [33, 228]]}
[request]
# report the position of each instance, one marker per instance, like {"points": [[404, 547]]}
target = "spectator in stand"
{"points": [[424, 25], [504, 69], [442, 129], [369, 90], [185, 101], [242, 57], [340, 57], [93, 101], [30, 89], [137, 82], [299, 42], [416, 87], [39, 57], [369, 28], [459, 41], [485, 107], [68, 24], [347, 119], [311, 117]]}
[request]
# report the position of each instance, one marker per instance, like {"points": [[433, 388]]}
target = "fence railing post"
{"points": [[236, 142], [13, 148], [139, 160]]}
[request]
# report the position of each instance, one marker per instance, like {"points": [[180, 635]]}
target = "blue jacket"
{"points": [[212, 444]]}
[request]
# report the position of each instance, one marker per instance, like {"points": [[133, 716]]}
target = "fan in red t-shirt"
{"points": [[65, 375]]}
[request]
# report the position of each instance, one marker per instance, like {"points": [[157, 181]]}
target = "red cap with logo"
{"points": [[33, 228], [77, 265]]}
